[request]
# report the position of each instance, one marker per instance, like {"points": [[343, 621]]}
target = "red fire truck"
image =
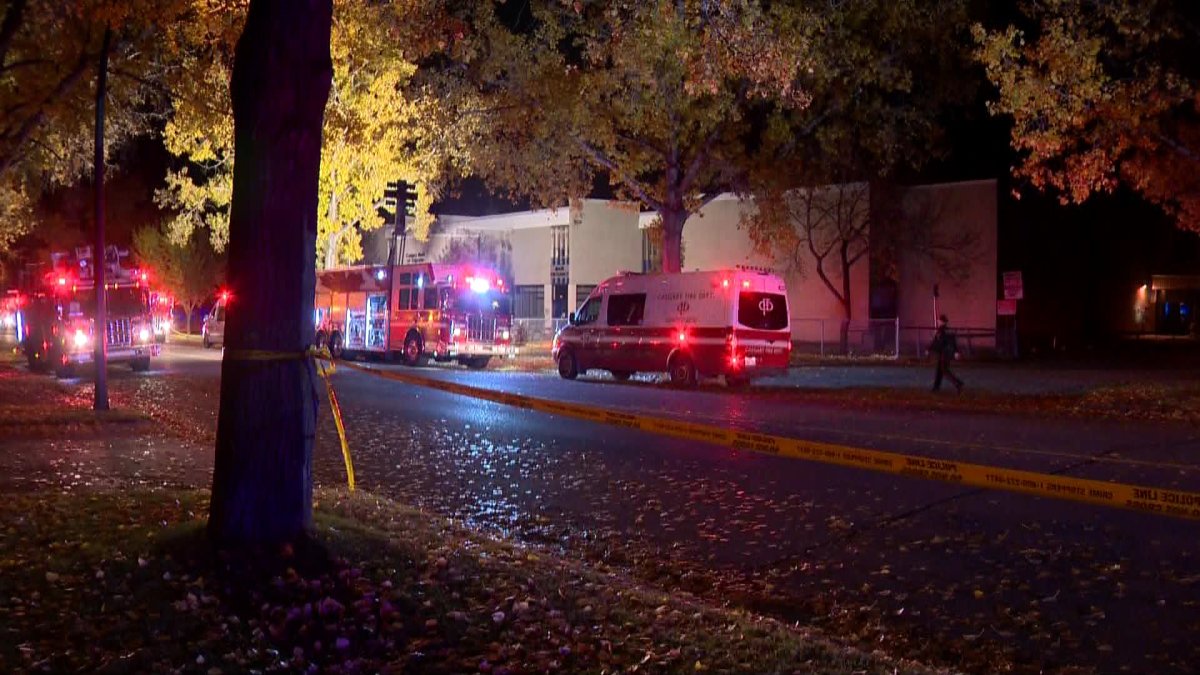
{"points": [[457, 313], [58, 321]]}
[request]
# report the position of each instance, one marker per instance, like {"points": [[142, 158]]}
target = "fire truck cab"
{"points": [[58, 318], [727, 322], [457, 313]]}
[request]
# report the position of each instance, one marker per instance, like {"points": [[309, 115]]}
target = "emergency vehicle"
{"points": [[445, 312], [160, 315], [10, 306], [58, 316], [728, 322], [212, 330]]}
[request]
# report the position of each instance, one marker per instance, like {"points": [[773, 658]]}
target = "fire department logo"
{"points": [[683, 307], [765, 306]]}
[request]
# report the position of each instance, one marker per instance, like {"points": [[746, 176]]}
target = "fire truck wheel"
{"points": [[37, 364], [140, 365], [412, 354], [64, 370], [335, 345], [682, 371], [478, 362], [568, 367], [621, 375]]}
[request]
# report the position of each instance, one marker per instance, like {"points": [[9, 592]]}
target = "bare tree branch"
{"points": [[31, 123], [630, 182]]}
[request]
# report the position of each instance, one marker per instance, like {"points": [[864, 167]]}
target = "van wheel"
{"points": [[412, 350], [568, 367], [140, 365], [335, 345], [621, 375], [682, 371]]}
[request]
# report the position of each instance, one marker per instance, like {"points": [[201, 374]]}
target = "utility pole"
{"points": [[99, 260]]}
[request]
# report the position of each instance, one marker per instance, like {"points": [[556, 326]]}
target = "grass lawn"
{"points": [[116, 582]]}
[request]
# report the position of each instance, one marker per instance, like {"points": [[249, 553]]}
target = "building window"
{"points": [[652, 249], [529, 302], [560, 245]]}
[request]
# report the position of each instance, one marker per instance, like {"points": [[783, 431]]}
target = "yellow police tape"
{"points": [[1155, 500], [325, 368]]}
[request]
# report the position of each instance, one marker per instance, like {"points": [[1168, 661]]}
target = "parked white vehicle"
{"points": [[213, 330], [724, 322]]}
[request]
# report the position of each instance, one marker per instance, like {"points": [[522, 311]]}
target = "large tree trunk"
{"points": [[262, 481], [672, 239]]}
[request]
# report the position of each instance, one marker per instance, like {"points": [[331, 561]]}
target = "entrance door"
{"points": [[558, 301]]}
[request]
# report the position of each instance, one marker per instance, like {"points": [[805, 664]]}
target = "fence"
{"points": [[971, 341], [536, 331], [867, 337], [823, 337]]}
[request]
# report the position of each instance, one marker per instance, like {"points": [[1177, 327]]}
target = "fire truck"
{"points": [[415, 312], [160, 315], [58, 315]]}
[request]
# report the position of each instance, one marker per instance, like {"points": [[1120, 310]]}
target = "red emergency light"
{"points": [[62, 281]]}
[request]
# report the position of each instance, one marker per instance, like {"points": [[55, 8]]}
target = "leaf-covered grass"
{"points": [[127, 583], [1142, 402]]}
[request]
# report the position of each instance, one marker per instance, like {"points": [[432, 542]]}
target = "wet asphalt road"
{"points": [[931, 569]]}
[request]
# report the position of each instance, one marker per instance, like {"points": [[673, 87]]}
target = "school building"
{"points": [[555, 257]]}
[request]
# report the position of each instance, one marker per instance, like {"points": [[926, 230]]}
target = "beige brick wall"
{"points": [[968, 207], [604, 240], [712, 239]]}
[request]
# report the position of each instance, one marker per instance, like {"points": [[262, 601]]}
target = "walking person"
{"points": [[944, 348]]}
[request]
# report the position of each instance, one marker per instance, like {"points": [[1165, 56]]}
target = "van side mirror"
{"points": [[572, 319]]}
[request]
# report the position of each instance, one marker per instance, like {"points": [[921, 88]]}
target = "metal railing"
{"points": [[971, 341], [536, 331], [865, 337]]}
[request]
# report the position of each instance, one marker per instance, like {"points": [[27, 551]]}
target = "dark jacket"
{"points": [[944, 344]]}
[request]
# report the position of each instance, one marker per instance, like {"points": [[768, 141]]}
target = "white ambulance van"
{"points": [[731, 323]]}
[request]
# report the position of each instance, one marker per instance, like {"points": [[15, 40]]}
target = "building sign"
{"points": [[1006, 308], [1014, 287]]}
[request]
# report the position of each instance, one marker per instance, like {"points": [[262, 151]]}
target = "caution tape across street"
{"points": [[1154, 500]]}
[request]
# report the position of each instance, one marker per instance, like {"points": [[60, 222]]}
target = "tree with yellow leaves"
{"points": [[49, 51], [367, 138]]}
